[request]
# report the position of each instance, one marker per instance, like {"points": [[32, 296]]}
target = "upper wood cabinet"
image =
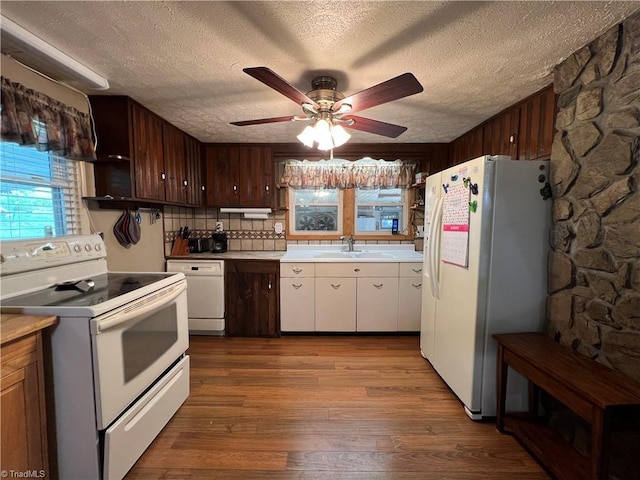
{"points": [[161, 163], [148, 154], [239, 175], [193, 169], [523, 131], [175, 171]]}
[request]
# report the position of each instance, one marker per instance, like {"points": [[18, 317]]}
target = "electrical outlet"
{"points": [[219, 227]]}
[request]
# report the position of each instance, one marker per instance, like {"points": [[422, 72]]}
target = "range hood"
{"points": [[251, 213]]}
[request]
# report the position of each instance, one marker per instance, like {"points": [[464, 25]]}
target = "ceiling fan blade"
{"points": [[260, 121], [279, 84], [374, 126], [394, 89]]}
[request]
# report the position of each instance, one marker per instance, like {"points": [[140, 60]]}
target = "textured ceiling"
{"points": [[184, 60]]}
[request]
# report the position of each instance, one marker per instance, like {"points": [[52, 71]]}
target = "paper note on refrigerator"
{"points": [[455, 226]]}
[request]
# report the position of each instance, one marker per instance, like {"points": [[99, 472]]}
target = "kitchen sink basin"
{"points": [[334, 255], [373, 255], [356, 254]]}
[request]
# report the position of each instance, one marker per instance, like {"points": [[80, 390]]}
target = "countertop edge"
{"points": [[16, 325]]}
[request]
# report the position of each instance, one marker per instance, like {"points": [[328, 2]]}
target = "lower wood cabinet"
{"points": [[252, 298], [22, 398]]}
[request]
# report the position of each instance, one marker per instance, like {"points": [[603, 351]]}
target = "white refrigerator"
{"points": [[485, 272]]}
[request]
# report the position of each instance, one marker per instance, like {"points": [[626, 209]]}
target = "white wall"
{"points": [[146, 256]]}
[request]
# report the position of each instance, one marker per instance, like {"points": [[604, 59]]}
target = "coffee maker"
{"points": [[219, 242]]}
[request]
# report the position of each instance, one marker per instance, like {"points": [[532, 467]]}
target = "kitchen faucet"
{"points": [[350, 241]]}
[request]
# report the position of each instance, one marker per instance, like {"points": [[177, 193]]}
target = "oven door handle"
{"points": [[143, 307]]}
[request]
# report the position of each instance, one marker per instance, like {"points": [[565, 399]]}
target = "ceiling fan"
{"points": [[324, 103]]}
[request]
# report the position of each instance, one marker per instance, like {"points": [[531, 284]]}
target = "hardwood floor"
{"points": [[325, 407]]}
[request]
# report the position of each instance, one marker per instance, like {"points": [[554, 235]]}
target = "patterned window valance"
{"points": [[31, 118], [338, 173]]}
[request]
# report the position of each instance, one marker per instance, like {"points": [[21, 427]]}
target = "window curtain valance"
{"points": [[338, 173], [31, 118]]}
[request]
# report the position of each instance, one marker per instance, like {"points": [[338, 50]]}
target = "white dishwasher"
{"points": [[205, 294]]}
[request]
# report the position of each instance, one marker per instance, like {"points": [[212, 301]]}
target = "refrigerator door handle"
{"points": [[434, 253]]}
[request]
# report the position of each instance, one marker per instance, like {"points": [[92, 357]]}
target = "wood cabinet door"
{"points": [[222, 176], [252, 298], [148, 154], [193, 166], [175, 187], [255, 176], [239, 176], [23, 428]]}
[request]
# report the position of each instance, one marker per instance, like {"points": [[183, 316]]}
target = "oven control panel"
{"points": [[18, 256]]}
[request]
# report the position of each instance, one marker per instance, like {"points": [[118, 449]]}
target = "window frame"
{"points": [[64, 179], [348, 222]]}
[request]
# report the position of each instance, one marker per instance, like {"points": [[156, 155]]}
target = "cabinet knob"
{"points": [[296, 270], [416, 285], [202, 187], [335, 287], [378, 286], [296, 286], [417, 270], [185, 183], [235, 188], [356, 269], [269, 286], [163, 176], [266, 187]]}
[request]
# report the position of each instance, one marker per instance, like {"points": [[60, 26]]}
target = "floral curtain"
{"points": [[338, 173], [34, 119]]}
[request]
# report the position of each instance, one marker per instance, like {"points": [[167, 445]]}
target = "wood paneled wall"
{"points": [[523, 131]]}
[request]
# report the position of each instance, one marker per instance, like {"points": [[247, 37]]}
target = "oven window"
{"points": [[147, 340]]}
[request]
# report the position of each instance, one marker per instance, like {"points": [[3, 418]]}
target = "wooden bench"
{"points": [[591, 390]]}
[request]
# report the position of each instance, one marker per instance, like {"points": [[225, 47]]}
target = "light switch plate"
{"points": [[278, 227]]}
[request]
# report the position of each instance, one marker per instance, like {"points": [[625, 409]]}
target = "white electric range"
{"points": [[119, 368]]}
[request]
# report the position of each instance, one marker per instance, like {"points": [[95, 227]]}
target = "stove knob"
{"points": [[87, 247], [98, 247], [2, 258], [77, 248]]}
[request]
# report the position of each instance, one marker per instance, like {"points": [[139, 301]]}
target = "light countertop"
{"points": [[233, 255]]}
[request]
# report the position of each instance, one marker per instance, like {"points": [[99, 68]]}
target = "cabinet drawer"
{"points": [[411, 269], [357, 270], [297, 270]]}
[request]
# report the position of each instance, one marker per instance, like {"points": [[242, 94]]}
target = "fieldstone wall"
{"points": [[594, 265]]}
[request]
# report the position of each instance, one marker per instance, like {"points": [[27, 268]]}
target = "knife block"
{"points": [[180, 247]]}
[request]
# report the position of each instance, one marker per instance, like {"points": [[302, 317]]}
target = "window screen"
{"points": [[39, 193]]}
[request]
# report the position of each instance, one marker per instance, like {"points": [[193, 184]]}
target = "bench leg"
{"points": [[600, 445]]}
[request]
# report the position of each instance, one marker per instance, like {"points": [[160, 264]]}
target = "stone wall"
{"points": [[594, 265]]}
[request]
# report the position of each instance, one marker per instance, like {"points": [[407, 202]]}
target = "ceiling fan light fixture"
{"points": [[307, 136], [339, 135]]}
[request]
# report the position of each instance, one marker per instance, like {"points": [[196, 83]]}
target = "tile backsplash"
{"points": [[242, 234]]}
